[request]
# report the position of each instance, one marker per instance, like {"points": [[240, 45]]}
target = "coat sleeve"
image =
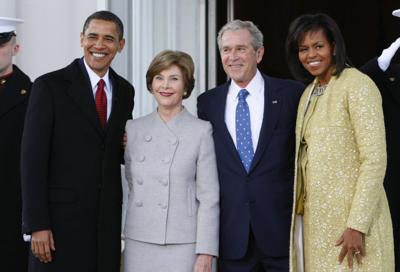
{"points": [[200, 108], [207, 195], [35, 159], [130, 102], [365, 109], [127, 156]]}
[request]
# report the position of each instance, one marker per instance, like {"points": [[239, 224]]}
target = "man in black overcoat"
{"points": [[14, 93], [386, 75], [71, 156]]}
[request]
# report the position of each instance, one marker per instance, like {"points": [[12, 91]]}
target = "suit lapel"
{"points": [[222, 128], [116, 101], [272, 109], [81, 92]]}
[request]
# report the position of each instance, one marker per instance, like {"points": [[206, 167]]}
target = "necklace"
{"points": [[319, 90]]}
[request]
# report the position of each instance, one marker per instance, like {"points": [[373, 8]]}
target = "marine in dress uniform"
{"points": [[14, 93], [385, 72]]}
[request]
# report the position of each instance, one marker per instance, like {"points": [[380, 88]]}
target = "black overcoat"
{"points": [[14, 94], [70, 170]]}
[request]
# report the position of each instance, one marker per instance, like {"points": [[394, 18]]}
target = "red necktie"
{"points": [[101, 103]]}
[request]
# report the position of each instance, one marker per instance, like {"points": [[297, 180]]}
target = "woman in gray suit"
{"points": [[172, 218]]}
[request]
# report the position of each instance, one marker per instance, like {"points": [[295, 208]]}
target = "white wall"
{"points": [[166, 24], [49, 37]]}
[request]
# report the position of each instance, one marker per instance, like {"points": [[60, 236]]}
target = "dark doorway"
{"points": [[367, 27]]}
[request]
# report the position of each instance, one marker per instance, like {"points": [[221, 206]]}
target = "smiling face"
{"points": [[239, 57], [316, 55], [100, 43], [168, 87]]}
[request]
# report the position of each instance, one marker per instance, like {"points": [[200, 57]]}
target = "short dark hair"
{"points": [[312, 23], [106, 16], [166, 59]]}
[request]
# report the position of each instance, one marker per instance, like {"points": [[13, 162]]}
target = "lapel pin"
{"points": [[392, 79], [23, 92], [3, 81], [274, 101]]}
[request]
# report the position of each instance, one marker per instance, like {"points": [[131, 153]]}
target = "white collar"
{"points": [[94, 78], [255, 86]]}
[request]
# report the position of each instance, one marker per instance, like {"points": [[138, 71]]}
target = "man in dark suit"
{"points": [[14, 94], [71, 155], [253, 118], [386, 76]]}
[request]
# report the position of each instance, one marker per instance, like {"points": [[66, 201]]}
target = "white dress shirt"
{"points": [[255, 100], [94, 79]]}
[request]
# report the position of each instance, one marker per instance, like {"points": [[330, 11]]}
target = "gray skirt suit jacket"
{"points": [[173, 182]]}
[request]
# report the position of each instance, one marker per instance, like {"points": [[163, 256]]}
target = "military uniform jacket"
{"points": [[14, 94], [388, 83], [173, 181]]}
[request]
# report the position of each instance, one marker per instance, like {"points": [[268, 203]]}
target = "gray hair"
{"points": [[257, 40]]}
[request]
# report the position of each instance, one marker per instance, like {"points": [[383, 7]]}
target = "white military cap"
{"points": [[9, 24], [7, 28]]}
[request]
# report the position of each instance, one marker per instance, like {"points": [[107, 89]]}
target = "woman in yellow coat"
{"points": [[341, 219]]}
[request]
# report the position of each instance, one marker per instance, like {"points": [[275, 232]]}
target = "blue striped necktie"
{"points": [[244, 143]]}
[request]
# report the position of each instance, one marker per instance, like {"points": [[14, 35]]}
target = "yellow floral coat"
{"points": [[346, 153]]}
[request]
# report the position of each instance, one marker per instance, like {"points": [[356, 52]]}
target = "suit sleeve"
{"points": [[366, 114], [207, 195], [200, 108], [130, 105], [35, 158]]}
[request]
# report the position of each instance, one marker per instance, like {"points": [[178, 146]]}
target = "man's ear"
{"points": [[121, 45], [259, 54], [81, 38], [15, 49]]}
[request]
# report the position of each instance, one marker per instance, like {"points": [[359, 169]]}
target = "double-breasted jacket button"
{"points": [[139, 203], [173, 141], [141, 158], [166, 159], [147, 138], [163, 205], [164, 182], [139, 181]]}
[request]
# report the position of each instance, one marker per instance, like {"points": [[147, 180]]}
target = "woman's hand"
{"points": [[352, 246], [203, 263]]}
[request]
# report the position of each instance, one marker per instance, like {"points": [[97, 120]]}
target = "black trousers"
{"points": [[254, 261]]}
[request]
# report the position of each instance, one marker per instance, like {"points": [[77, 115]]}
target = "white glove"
{"points": [[122, 243], [387, 54]]}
